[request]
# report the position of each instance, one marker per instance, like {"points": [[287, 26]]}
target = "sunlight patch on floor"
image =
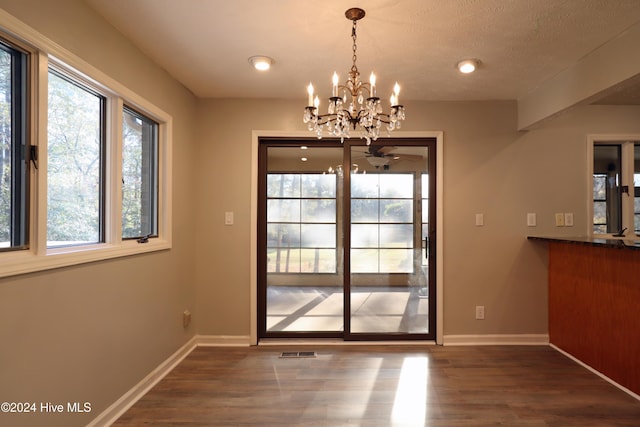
{"points": [[410, 404]]}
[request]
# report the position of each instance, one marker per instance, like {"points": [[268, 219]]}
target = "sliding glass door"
{"points": [[345, 237], [389, 226]]}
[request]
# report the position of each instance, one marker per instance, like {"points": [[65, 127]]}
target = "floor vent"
{"points": [[297, 354]]}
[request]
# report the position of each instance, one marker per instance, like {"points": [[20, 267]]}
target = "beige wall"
{"points": [[489, 168], [91, 332]]}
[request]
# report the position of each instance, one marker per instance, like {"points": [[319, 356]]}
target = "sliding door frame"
{"points": [[400, 141], [255, 220]]}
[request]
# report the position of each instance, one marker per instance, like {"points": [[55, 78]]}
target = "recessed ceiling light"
{"points": [[304, 159], [261, 63], [468, 65]]}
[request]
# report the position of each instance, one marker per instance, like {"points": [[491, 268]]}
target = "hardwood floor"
{"points": [[367, 385]]}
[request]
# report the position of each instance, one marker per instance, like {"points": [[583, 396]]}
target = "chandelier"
{"points": [[353, 105]]}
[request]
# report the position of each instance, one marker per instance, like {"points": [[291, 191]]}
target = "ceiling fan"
{"points": [[381, 156]]}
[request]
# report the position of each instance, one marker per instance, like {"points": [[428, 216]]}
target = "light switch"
{"points": [[531, 219], [559, 220], [479, 219], [228, 218]]}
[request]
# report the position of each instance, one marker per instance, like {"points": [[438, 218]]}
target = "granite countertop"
{"points": [[585, 240]]}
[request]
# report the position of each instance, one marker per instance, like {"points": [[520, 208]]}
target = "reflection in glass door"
{"points": [[345, 235]]}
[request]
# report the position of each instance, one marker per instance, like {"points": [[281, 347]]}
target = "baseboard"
{"points": [[598, 373], [514, 339], [223, 340], [120, 406], [126, 401]]}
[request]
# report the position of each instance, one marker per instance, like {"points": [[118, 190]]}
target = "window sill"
{"points": [[16, 263]]}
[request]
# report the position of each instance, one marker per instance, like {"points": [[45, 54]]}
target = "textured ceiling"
{"points": [[205, 44]]}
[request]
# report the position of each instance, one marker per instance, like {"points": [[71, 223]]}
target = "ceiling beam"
{"points": [[606, 69]]}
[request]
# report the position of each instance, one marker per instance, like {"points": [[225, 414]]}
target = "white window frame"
{"points": [[38, 257], [626, 141]]}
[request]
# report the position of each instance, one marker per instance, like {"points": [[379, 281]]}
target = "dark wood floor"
{"points": [[383, 386]]}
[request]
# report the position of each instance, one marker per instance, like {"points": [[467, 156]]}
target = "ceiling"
{"points": [[205, 44]]}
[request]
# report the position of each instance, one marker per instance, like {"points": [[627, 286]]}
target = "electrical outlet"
{"points": [[479, 312], [568, 219]]}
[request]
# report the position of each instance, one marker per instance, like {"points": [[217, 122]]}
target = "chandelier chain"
{"points": [[355, 46]]}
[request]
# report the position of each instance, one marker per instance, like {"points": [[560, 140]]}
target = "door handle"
{"points": [[428, 241], [426, 247]]}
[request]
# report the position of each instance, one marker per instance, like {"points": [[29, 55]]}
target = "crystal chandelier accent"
{"points": [[355, 104]]}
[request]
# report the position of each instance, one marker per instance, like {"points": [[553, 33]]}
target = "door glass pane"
{"points": [[318, 260], [364, 210], [283, 210], [364, 185], [323, 210], [396, 210], [364, 236], [283, 185], [317, 236], [364, 261], [396, 186], [396, 235], [283, 235], [389, 222], [424, 207], [396, 261], [315, 185], [305, 289]]}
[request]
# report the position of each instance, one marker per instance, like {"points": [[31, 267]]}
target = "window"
{"points": [[139, 175], [616, 188], [382, 223], [75, 159], [84, 161], [301, 223], [14, 186]]}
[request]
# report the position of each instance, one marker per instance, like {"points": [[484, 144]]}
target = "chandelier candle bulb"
{"points": [[316, 102], [335, 84], [310, 92], [372, 82], [396, 91]]}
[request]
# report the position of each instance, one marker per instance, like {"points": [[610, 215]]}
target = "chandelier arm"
{"points": [[383, 117], [334, 116], [327, 118]]}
